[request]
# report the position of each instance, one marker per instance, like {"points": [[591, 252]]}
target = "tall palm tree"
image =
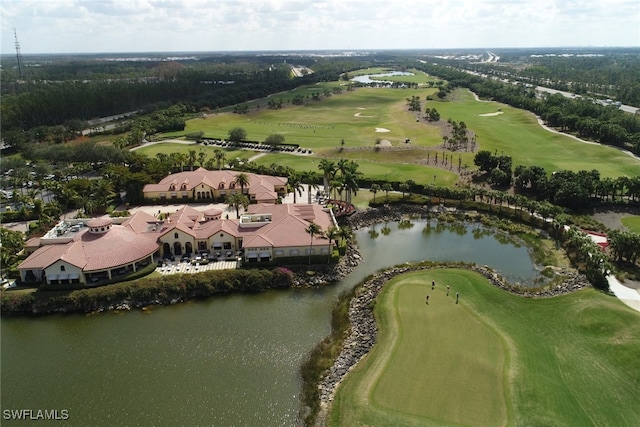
{"points": [[236, 200], [386, 187], [313, 229], [242, 179], [308, 178], [374, 189], [345, 233], [103, 191], [192, 158], [220, 157], [328, 169], [294, 184], [332, 234], [182, 159], [202, 158]]}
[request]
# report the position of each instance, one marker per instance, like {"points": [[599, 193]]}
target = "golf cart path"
{"points": [[629, 296]]}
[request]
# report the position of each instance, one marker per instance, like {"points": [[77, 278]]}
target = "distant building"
{"points": [[205, 185]]}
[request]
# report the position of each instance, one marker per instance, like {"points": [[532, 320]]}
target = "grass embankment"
{"points": [[167, 289], [494, 358], [632, 223]]}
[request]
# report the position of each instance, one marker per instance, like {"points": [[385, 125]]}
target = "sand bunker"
{"points": [[382, 130], [385, 143], [360, 115], [497, 113]]}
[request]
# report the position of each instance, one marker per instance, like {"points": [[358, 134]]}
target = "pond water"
{"points": [[224, 361], [367, 77]]}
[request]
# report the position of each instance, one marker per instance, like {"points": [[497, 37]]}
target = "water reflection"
{"points": [[418, 240], [229, 360]]}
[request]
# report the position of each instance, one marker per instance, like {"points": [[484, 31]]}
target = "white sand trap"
{"points": [[361, 108], [360, 115], [385, 143], [497, 113], [382, 130]]}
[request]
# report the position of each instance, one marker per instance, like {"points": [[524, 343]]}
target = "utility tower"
{"points": [[18, 54]]}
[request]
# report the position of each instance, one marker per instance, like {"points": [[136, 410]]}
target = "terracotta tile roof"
{"points": [[257, 183], [120, 245], [44, 256]]}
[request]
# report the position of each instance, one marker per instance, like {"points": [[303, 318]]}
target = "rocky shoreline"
{"points": [[363, 329]]}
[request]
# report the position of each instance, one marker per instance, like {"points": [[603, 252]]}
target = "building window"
{"points": [[62, 268], [175, 235], [226, 245]]}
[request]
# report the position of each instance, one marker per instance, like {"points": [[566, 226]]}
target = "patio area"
{"points": [[178, 267]]}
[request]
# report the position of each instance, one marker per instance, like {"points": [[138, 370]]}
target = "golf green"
{"points": [[493, 358]]}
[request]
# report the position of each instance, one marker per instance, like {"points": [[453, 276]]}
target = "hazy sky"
{"points": [[59, 26]]}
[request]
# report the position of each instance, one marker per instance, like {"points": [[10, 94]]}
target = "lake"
{"points": [[224, 361]]}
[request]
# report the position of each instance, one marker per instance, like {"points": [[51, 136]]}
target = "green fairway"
{"points": [[172, 147], [494, 358], [517, 133], [365, 116], [632, 223]]}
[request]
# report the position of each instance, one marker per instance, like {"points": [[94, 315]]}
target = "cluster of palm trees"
{"points": [[346, 181], [179, 160], [334, 234], [459, 137]]}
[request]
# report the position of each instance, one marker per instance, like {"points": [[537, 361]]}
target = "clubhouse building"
{"points": [[103, 249], [205, 185]]}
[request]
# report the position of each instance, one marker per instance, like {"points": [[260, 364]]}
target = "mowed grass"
{"points": [[322, 125], [632, 223], [172, 147], [517, 133], [494, 358], [354, 117]]}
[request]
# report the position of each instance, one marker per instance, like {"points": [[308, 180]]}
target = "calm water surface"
{"points": [[228, 361]]}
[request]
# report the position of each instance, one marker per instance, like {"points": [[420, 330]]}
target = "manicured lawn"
{"points": [[356, 118], [494, 358], [632, 223], [172, 147], [372, 169], [516, 133]]}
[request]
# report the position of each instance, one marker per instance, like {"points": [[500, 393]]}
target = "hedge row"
{"points": [[167, 289]]}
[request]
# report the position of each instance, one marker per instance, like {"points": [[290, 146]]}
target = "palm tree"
{"points": [[345, 233], [294, 185], [192, 158], [308, 178], [332, 234], [202, 158], [242, 179], [220, 157], [313, 229], [236, 200], [386, 187], [374, 189], [404, 187], [328, 169], [182, 158]]}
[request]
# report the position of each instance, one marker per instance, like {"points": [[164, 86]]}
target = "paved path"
{"points": [[629, 296]]}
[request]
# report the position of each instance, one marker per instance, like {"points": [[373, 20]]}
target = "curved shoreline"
{"points": [[363, 329]]}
